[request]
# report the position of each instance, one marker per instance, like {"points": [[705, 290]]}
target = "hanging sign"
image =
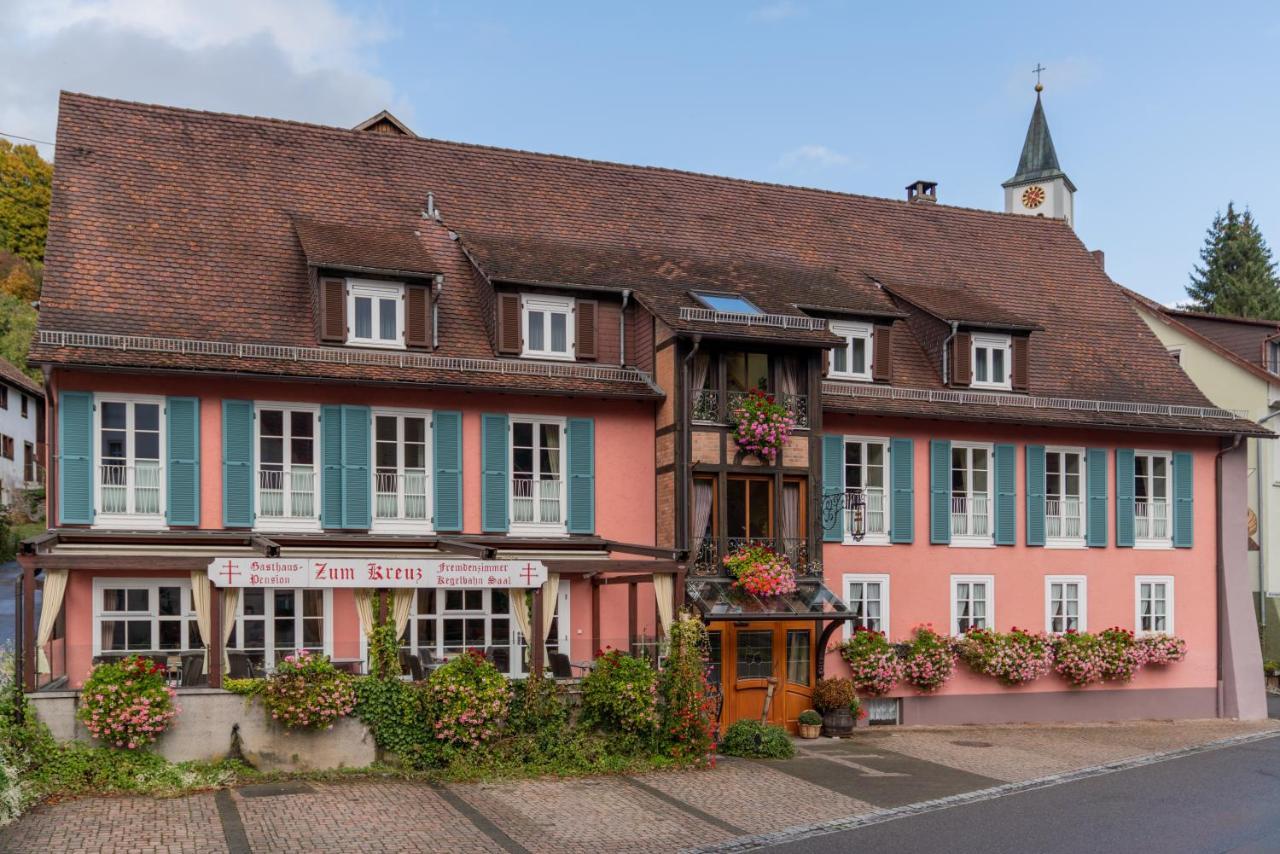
{"points": [[347, 571]]}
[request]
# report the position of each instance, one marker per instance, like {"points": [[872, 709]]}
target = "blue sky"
{"points": [[1161, 112]]}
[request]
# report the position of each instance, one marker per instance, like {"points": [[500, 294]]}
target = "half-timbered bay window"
{"points": [[1151, 498], [548, 326], [868, 599], [865, 467], [401, 449], [537, 473], [287, 483], [970, 492], [143, 615], [130, 481], [272, 623], [375, 313], [992, 361], [972, 603], [851, 360], [1064, 505]]}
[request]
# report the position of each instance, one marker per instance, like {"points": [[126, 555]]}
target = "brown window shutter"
{"points": [[417, 316], [509, 324], [826, 362], [1021, 347], [961, 359], [882, 353], [585, 326], [333, 310]]}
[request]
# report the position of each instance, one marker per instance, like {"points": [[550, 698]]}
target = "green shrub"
{"points": [[832, 694], [127, 703], [688, 706], [752, 739], [245, 687], [394, 712], [465, 700], [308, 692], [620, 697], [1271, 667], [384, 652], [810, 718]]}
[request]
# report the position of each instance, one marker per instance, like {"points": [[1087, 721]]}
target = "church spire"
{"points": [[1039, 160], [1039, 187]]}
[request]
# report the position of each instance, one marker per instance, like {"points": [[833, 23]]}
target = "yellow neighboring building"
{"points": [[1236, 363]]}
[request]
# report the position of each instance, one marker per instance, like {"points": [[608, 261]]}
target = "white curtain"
{"points": [[230, 602], [790, 511], [201, 597], [698, 373], [702, 501], [401, 604], [791, 376], [55, 585], [664, 586]]}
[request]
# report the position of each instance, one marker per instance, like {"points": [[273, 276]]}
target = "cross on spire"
{"points": [[1039, 68]]}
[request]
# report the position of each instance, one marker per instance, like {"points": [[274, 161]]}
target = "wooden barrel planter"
{"points": [[837, 723]]}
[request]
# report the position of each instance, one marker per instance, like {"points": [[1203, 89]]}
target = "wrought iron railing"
{"points": [[130, 488], [1063, 518], [1151, 519], [970, 516], [705, 406], [707, 556], [287, 492], [401, 495], [535, 501]]}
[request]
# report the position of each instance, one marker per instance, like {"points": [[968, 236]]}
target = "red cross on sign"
{"points": [[229, 572], [528, 572]]}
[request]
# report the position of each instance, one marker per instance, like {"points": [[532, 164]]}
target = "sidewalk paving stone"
{"points": [[122, 825]]}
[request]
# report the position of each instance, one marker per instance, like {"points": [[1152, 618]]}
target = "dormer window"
{"points": [[548, 326], [992, 361], [852, 359], [727, 303], [375, 316]]}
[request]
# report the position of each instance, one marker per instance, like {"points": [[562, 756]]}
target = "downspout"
{"points": [[946, 353], [1262, 537], [1221, 562], [51, 450], [686, 445], [622, 327]]}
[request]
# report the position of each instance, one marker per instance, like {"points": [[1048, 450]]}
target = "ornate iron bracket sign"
{"points": [[851, 501]]}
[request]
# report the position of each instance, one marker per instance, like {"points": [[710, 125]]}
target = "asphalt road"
{"points": [[1220, 801]]}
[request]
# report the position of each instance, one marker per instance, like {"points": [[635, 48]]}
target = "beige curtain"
{"points": [[401, 604], [55, 585], [664, 586], [364, 611], [520, 608], [550, 591], [201, 597], [230, 602]]}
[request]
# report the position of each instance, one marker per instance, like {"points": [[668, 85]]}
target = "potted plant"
{"points": [[860, 718], [810, 724], [835, 698], [1271, 668]]}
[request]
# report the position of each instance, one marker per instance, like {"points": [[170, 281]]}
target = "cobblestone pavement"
{"points": [[828, 781]]}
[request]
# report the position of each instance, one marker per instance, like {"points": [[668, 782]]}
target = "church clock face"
{"points": [[1033, 197]]}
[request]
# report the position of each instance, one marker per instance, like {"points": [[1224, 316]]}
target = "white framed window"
{"points": [[1273, 356], [971, 494], [1153, 604], [867, 596], [445, 623], [548, 326], [288, 493], [1176, 354], [1064, 497], [273, 622], [973, 603], [151, 615], [402, 470], [866, 468], [852, 360], [130, 473], [992, 362], [1152, 471], [375, 313], [1066, 603], [537, 475]]}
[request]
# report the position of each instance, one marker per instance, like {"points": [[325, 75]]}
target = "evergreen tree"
{"points": [[1238, 276]]}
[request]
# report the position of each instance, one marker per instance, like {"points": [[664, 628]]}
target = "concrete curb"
{"points": [[880, 816]]}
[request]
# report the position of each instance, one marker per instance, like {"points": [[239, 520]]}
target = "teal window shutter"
{"points": [[940, 491], [581, 466], [357, 486], [1006, 462], [237, 463], [902, 510], [495, 472], [1096, 483], [331, 503], [1183, 500], [75, 458], [182, 463], [447, 452], [1124, 497], [1035, 495], [832, 485]]}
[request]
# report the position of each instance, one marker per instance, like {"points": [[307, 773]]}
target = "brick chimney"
{"points": [[925, 192]]}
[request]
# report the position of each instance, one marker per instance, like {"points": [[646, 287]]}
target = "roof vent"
{"points": [[922, 191]]}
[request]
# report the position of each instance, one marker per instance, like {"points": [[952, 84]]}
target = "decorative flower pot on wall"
{"points": [[838, 722]]}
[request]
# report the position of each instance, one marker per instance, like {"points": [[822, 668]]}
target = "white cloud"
{"points": [[813, 157], [778, 11], [285, 58]]}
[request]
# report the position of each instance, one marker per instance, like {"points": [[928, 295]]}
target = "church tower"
{"points": [[1040, 187]]}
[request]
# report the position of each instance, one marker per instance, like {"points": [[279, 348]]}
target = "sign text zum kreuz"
{"points": [[374, 572]]}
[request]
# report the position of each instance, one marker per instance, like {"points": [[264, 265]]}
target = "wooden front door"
{"points": [[744, 658]]}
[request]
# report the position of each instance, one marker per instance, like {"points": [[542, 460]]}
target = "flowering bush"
{"points": [[1078, 658], [872, 663], [127, 703], [466, 698], [832, 694], [688, 705], [928, 659], [761, 571], [620, 695], [1015, 657], [761, 424], [308, 692], [1121, 655], [1161, 649]]}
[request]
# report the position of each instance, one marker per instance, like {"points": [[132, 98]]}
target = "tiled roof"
{"points": [[347, 246], [9, 373], [176, 223]]}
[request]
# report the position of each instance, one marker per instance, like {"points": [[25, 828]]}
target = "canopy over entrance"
{"points": [[723, 599]]}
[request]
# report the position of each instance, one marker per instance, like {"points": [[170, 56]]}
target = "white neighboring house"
{"points": [[21, 432]]}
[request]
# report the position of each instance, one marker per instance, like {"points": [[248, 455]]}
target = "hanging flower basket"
{"points": [[761, 571], [761, 425]]}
